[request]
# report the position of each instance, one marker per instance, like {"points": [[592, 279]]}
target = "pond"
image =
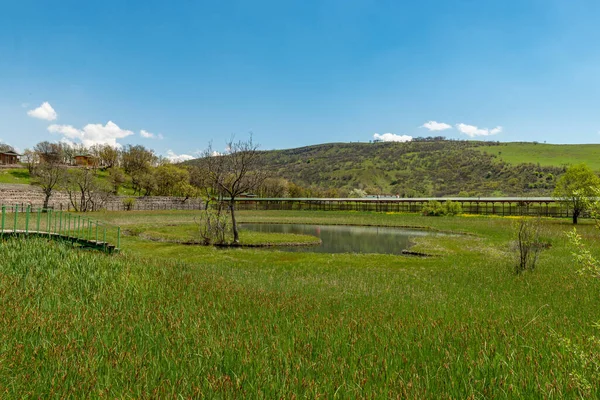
{"points": [[345, 238]]}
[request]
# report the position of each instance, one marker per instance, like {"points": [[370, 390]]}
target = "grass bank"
{"points": [[163, 319], [15, 176]]}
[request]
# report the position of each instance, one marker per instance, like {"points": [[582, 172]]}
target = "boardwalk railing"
{"points": [[80, 230], [544, 206]]}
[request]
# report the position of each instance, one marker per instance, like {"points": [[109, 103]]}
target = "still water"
{"points": [[345, 239]]}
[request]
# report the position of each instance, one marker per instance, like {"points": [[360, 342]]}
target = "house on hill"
{"points": [[85, 160], [9, 158]]}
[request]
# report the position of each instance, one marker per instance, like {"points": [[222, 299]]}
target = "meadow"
{"points": [[163, 319], [15, 175], [547, 155]]}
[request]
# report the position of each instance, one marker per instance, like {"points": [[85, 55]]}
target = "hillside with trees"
{"points": [[423, 167]]}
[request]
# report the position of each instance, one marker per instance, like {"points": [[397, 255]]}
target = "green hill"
{"points": [[429, 167]]}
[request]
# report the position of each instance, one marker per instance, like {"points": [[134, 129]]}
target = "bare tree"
{"points": [[51, 153], [6, 147], [235, 173], [528, 243], [31, 159], [48, 176], [86, 191]]}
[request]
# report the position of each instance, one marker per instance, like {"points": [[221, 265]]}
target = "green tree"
{"points": [[138, 162], [576, 187], [117, 178], [171, 180]]}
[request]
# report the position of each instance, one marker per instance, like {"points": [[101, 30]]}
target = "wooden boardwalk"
{"points": [[77, 229], [84, 243]]}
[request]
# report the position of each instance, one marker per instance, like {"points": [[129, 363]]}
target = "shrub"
{"points": [[452, 208], [435, 208], [128, 203], [214, 225], [527, 244]]}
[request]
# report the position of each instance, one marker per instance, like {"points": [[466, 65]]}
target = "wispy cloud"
{"points": [[45, 111], [148, 135], [391, 137], [472, 130], [92, 134], [436, 126]]}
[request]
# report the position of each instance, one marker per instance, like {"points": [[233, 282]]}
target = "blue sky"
{"points": [[297, 73]]}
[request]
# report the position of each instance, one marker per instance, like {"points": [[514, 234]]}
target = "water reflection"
{"points": [[345, 239]]}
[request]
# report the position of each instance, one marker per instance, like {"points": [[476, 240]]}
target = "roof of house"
{"points": [[10, 153]]}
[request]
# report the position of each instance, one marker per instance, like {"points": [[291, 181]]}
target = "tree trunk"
{"points": [[46, 200], [236, 235], [575, 215]]}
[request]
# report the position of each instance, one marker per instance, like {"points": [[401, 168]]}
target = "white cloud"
{"points": [[436, 126], [92, 134], [67, 130], [45, 111], [391, 137], [176, 158], [148, 135], [472, 131]]}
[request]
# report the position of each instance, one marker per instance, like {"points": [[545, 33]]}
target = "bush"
{"points": [[527, 244], [452, 208], [435, 208], [214, 225], [128, 203]]}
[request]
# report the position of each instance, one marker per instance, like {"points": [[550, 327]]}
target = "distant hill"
{"points": [[430, 167]]}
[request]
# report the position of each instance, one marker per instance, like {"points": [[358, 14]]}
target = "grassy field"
{"points": [[15, 175], [548, 155], [164, 319]]}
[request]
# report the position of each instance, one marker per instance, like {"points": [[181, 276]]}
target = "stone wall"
{"points": [[26, 194]]}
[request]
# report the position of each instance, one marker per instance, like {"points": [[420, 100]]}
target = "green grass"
{"points": [[164, 319], [549, 155], [15, 175]]}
